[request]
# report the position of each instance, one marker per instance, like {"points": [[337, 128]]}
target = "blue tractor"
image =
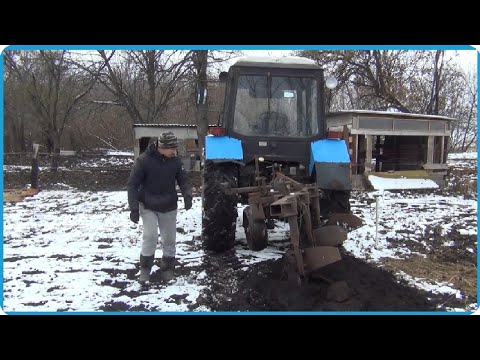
{"points": [[271, 152]]}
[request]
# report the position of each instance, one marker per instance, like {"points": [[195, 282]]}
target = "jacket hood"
{"points": [[153, 151], [152, 148]]}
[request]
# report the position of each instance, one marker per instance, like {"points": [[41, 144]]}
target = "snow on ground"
{"points": [[56, 245], [59, 246]]}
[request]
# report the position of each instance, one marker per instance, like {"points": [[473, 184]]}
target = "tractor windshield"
{"points": [[276, 106]]}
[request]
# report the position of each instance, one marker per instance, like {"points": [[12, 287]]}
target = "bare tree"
{"points": [[432, 106], [100, 125], [200, 61], [144, 82], [55, 87], [471, 127], [14, 115], [157, 86], [382, 79], [462, 105]]}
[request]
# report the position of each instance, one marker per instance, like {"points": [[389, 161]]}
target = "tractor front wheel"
{"points": [[255, 231]]}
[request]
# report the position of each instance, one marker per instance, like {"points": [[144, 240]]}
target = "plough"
{"points": [[314, 240]]}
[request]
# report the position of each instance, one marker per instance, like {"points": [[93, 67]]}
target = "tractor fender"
{"points": [[223, 148], [331, 161]]}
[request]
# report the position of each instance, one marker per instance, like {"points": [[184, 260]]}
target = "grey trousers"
{"points": [[166, 223]]}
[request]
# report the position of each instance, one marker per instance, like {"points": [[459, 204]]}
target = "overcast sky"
{"points": [[466, 58]]}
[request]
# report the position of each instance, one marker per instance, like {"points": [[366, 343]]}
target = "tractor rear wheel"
{"points": [[219, 210]]}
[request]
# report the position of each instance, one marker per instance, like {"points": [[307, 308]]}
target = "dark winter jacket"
{"points": [[152, 181]]}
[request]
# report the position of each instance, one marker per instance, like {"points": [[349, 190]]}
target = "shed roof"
{"points": [[165, 125], [389, 114]]}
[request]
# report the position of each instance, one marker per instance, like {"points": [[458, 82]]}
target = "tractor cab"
{"points": [[276, 108], [274, 100]]}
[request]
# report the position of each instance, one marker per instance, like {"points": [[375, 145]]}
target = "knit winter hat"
{"points": [[167, 140]]}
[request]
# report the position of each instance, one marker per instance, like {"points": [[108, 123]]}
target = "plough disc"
{"points": [[330, 235], [320, 256]]}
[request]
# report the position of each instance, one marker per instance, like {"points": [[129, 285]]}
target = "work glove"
{"points": [[134, 216], [188, 202]]}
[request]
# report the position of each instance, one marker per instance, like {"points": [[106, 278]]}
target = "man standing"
{"points": [[152, 195]]}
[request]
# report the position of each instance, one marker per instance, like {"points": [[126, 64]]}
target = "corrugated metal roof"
{"points": [[390, 113], [168, 125]]}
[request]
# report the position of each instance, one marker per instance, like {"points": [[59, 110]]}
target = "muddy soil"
{"points": [[352, 285]]}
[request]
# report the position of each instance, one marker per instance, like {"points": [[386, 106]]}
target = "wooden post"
{"points": [[442, 149], [368, 155], [355, 154], [430, 145], [35, 168]]}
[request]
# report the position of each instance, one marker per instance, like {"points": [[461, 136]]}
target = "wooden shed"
{"points": [[186, 135], [384, 141]]}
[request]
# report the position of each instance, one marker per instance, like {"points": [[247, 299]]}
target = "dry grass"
{"points": [[463, 276]]}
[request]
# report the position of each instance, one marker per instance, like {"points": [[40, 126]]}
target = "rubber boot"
{"points": [[167, 267], [146, 263], [144, 275], [168, 263]]}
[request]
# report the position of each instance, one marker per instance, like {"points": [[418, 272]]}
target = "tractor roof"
{"points": [[296, 62]]}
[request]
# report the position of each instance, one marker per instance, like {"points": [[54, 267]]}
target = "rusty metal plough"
{"points": [[314, 244]]}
